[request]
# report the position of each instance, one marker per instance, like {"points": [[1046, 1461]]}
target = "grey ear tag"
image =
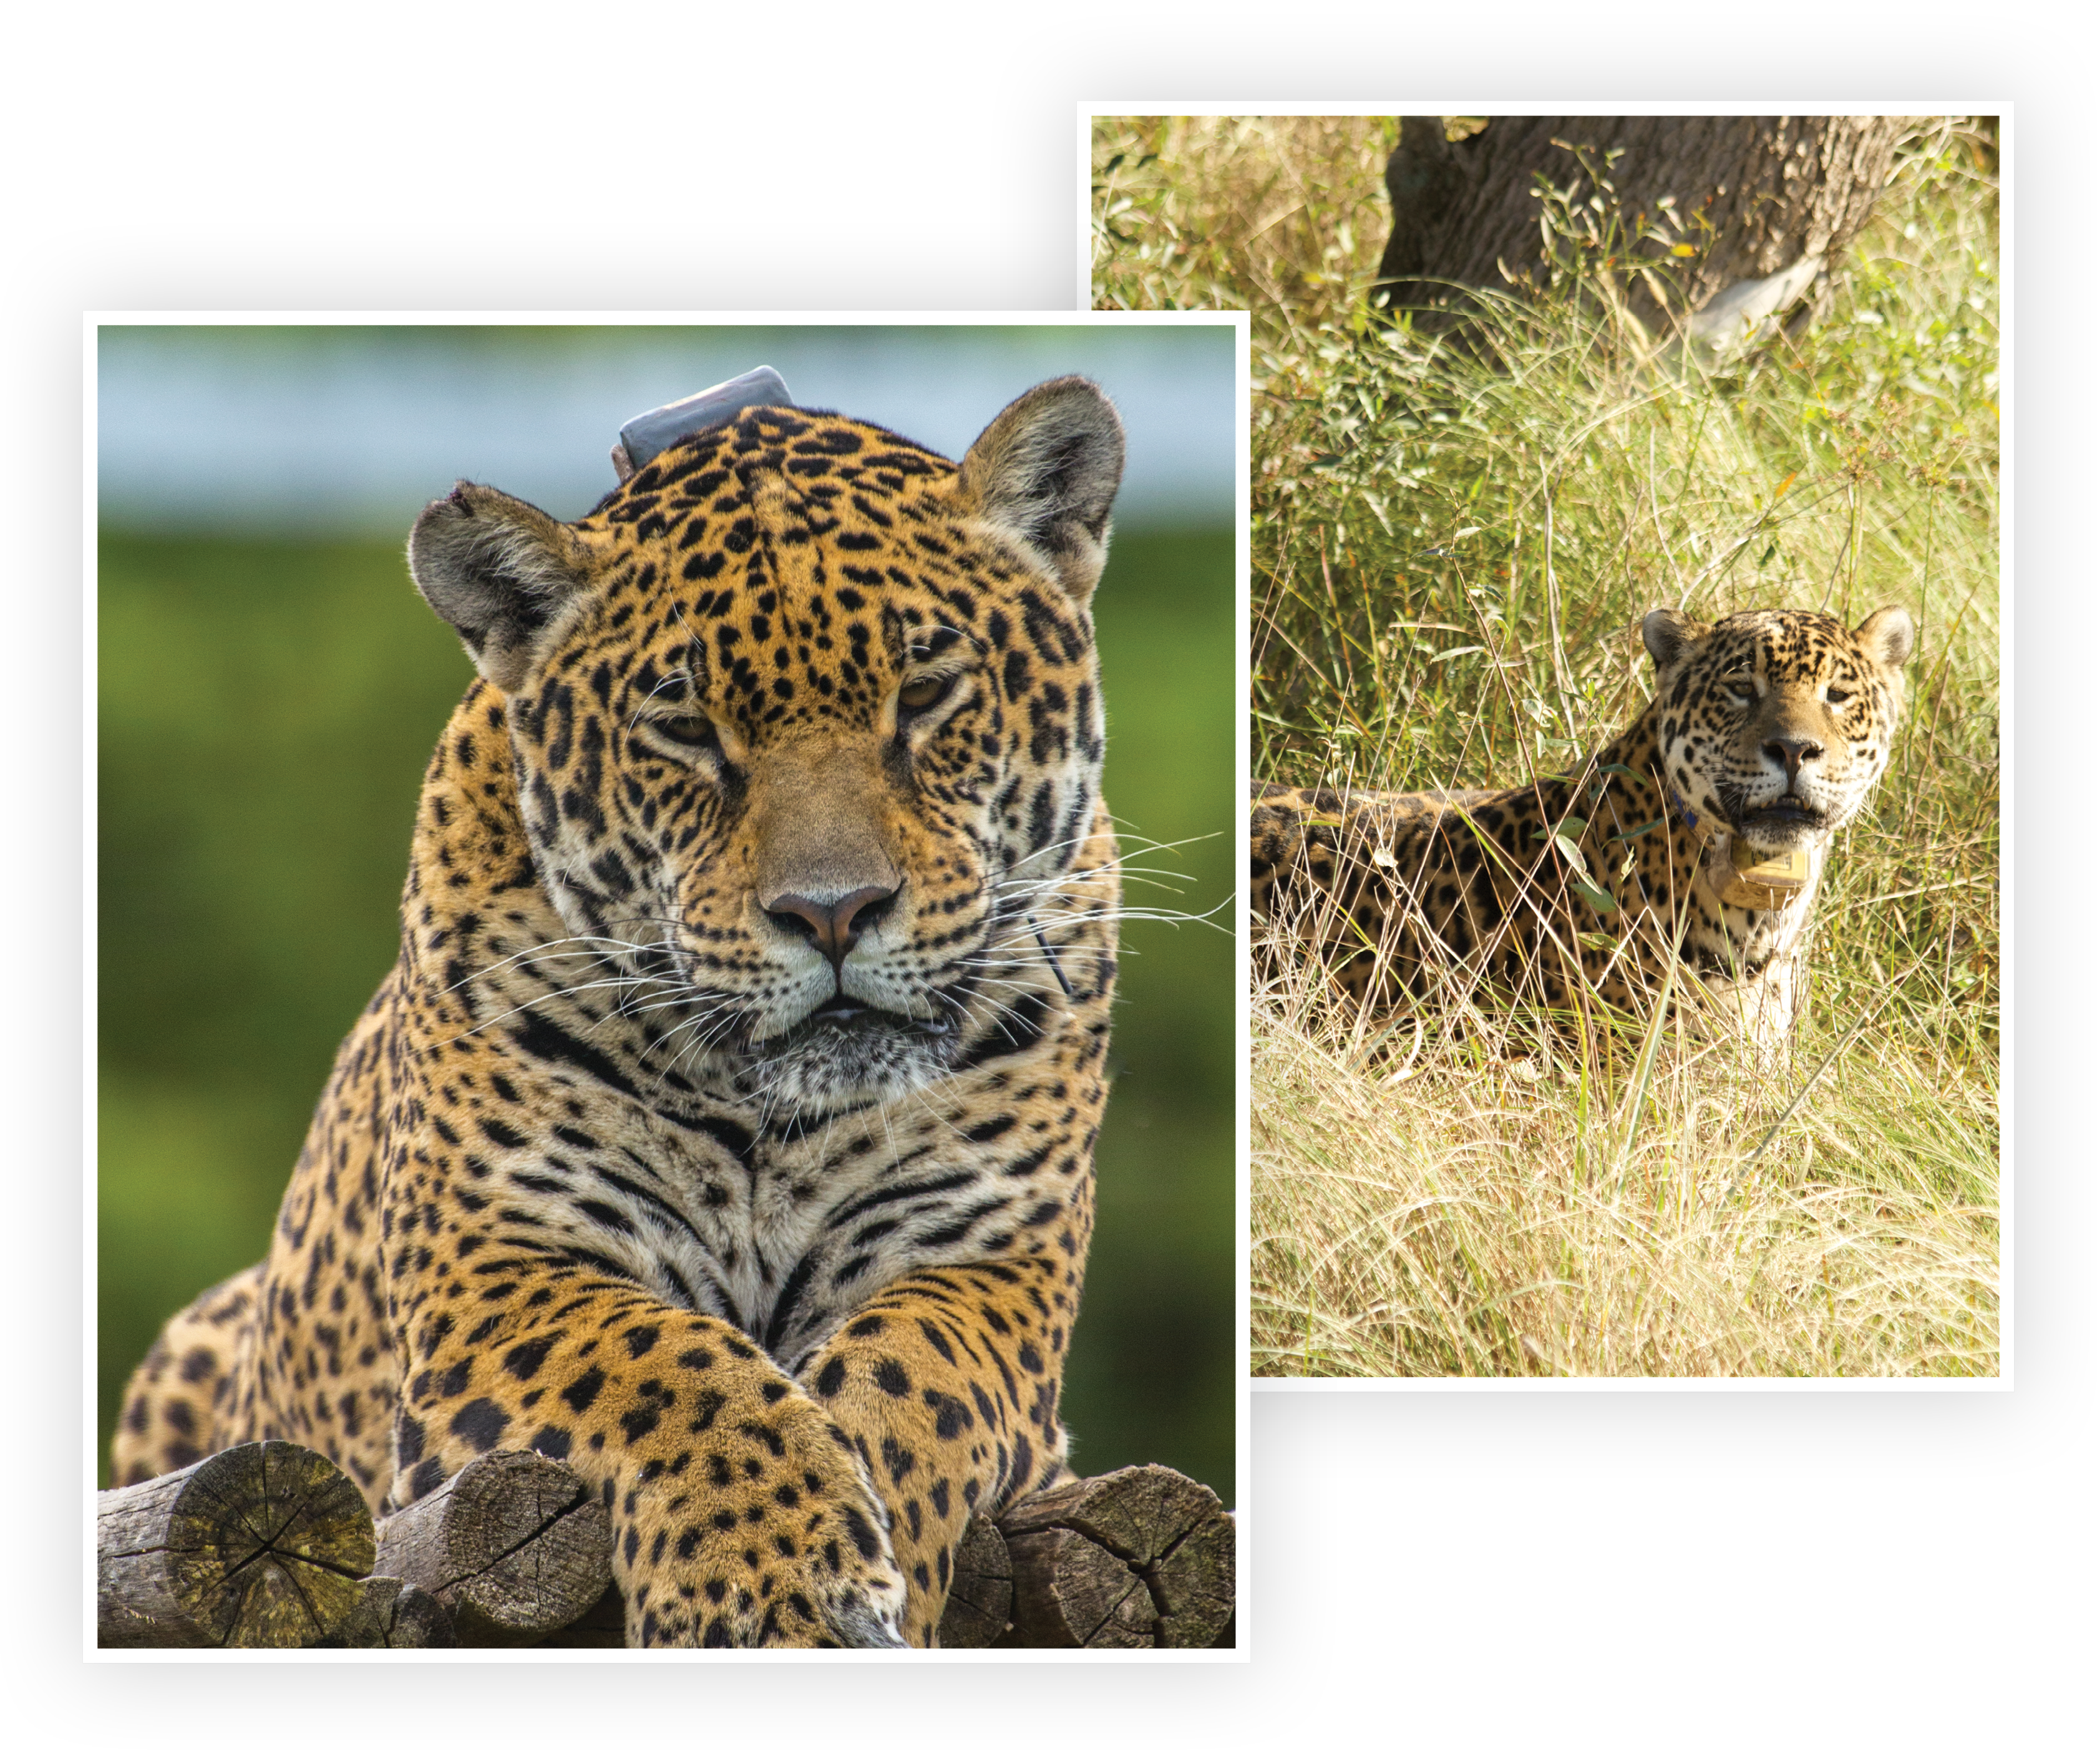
{"points": [[642, 438]]}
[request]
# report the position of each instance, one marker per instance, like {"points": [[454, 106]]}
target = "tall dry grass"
{"points": [[1452, 546]]}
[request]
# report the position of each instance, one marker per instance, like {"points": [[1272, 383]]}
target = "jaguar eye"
{"points": [[1742, 686], [922, 694], [1837, 695], [693, 731]]}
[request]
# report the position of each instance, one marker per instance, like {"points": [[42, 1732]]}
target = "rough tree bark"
{"points": [[1752, 195]]}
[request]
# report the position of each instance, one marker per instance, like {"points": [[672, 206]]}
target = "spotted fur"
{"points": [[726, 1127], [1765, 733]]}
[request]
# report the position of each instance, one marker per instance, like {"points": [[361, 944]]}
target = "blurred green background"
{"points": [[271, 687]]}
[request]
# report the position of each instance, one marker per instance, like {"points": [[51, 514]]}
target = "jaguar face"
{"points": [[1776, 725], [808, 734]]}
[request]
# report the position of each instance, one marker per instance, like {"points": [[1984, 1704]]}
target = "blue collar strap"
{"points": [[642, 438]]}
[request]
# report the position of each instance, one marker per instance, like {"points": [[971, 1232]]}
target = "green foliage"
{"points": [[1281, 215], [1153, 1371], [266, 712]]}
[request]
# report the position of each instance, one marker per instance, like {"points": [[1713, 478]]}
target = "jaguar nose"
{"points": [[834, 925], [1791, 753]]}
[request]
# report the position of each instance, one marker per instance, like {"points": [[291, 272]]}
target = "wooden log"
{"points": [[980, 1597], [269, 1545], [260, 1546], [392, 1614], [602, 1625], [1143, 1557], [514, 1547]]}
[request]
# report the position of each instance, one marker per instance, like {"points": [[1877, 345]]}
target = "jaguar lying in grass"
{"points": [[1703, 829]]}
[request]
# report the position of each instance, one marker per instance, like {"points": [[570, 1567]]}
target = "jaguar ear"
{"points": [[1668, 633], [1887, 636], [1044, 476], [499, 571]]}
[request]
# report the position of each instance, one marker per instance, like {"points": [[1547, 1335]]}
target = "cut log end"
{"points": [[979, 1599], [260, 1546], [1143, 1557], [514, 1547]]}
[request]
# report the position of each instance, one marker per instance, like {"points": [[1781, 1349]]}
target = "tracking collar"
{"points": [[642, 438], [1770, 879]]}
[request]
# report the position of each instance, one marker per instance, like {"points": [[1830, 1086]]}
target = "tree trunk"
{"points": [[1691, 206]]}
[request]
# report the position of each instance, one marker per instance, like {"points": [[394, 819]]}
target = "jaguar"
{"points": [[1689, 851], [725, 1128]]}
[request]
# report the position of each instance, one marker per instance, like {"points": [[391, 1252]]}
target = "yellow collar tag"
{"points": [[1768, 880], [1771, 880]]}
